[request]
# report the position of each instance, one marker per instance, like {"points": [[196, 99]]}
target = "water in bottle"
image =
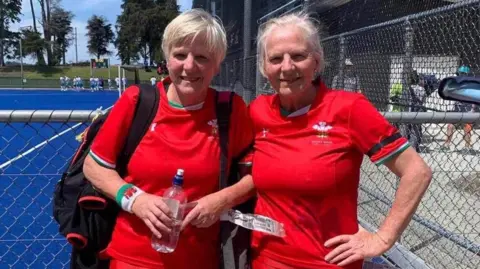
{"points": [[175, 199]]}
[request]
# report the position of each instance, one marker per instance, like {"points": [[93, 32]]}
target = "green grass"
{"points": [[54, 72]]}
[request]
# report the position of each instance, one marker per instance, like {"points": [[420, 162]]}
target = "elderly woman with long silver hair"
{"points": [[309, 144]]}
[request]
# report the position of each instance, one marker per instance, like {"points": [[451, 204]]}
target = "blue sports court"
{"points": [[29, 169]]}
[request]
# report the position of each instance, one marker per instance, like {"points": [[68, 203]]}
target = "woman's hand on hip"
{"points": [[206, 212], [154, 213], [351, 248]]}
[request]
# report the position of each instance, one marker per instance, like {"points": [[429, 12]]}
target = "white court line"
{"points": [[21, 155]]}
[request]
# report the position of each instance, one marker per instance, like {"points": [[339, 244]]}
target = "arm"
{"points": [[238, 193], [382, 143], [208, 209], [150, 208], [99, 167], [107, 181], [415, 176]]}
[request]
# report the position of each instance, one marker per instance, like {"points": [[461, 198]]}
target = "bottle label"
{"points": [[254, 222]]}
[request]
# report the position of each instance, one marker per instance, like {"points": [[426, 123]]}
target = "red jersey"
{"points": [[177, 138], [306, 169]]}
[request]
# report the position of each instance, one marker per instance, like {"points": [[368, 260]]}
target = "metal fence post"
{"points": [[247, 42], [408, 59], [340, 78], [258, 78], [21, 61]]}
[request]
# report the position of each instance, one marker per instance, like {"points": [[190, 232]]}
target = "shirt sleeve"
{"points": [[241, 133], [372, 134], [111, 137]]}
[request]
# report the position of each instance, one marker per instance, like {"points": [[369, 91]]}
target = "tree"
{"points": [[140, 28], [100, 35], [32, 42], [11, 45], [9, 13], [61, 29]]}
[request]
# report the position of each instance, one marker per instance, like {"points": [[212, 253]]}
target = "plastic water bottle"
{"points": [[175, 199]]}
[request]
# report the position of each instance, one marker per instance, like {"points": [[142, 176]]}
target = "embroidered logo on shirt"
{"points": [[152, 127], [264, 132], [214, 124], [322, 128]]}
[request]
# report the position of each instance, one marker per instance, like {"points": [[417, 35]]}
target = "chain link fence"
{"points": [[36, 146], [388, 59], [445, 230]]}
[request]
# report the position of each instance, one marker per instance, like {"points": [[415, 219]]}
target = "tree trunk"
{"points": [[152, 54], [63, 54], [45, 6], [48, 35], [2, 32], [39, 53], [33, 16]]}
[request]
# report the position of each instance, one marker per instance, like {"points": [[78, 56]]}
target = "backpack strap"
{"points": [[145, 111], [223, 110]]}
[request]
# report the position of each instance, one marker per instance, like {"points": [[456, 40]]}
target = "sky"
{"points": [[83, 10]]}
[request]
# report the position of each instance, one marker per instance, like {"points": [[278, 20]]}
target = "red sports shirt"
{"points": [[177, 138], [306, 170]]}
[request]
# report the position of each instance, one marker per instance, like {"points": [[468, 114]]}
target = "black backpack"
{"points": [[86, 217]]}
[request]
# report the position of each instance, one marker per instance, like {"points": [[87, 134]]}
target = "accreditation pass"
{"points": [[254, 222]]}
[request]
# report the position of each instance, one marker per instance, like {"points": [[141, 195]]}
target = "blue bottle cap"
{"points": [[178, 179]]}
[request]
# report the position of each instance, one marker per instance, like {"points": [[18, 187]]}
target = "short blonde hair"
{"points": [[309, 27], [191, 24]]}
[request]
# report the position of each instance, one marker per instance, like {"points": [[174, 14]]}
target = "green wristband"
{"points": [[121, 192]]}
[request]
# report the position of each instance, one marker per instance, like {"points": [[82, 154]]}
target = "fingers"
{"points": [[340, 256], [192, 215], [157, 223], [153, 228], [351, 259], [204, 222], [161, 216], [336, 252], [159, 203], [337, 240]]}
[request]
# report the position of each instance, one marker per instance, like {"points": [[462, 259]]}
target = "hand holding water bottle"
{"points": [[176, 200], [154, 212], [207, 211]]}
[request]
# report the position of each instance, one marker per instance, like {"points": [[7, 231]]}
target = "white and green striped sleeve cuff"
{"points": [[392, 154], [101, 161]]}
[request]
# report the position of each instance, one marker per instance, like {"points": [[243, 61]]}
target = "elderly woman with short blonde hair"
{"points": [[309, 144], [183, 135]]}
